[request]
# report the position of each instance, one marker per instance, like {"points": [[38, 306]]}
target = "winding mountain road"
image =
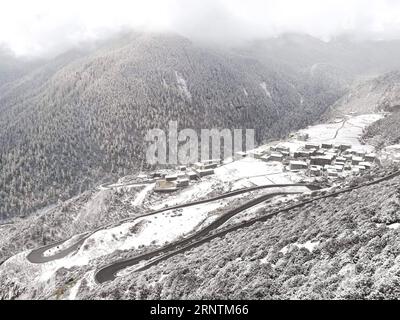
{"points": [[340, 128], [109, 272], [111, 186], [38, 256]]}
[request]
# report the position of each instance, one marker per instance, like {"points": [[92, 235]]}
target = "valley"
{"points": [[312, 212], [235, 196]]}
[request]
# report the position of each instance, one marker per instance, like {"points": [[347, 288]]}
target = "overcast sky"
{"points": [[35, 27]]}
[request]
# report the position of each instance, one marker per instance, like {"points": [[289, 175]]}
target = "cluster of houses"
{"points": [[326, 159], [331, 160], [183, 175]]}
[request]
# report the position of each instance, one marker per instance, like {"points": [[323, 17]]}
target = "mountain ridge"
{"points": [[82, 118]]}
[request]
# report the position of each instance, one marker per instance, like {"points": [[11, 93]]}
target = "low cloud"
{"points": [[46, 27]]}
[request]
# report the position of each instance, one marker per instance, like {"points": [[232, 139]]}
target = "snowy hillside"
{"points": [[127, 219]]}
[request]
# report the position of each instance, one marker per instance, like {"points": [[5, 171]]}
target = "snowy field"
{"points": [[339, 131], [250, 172], [349, 131]]}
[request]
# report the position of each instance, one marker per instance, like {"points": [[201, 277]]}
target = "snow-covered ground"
{"points": [[348, 131], [158, 229], [142, 195], [263, 85], [171, 225], [309, 245], [189, 194], [339, 131], [62, 246], [182, 85], [74, 290], [394, 226]]}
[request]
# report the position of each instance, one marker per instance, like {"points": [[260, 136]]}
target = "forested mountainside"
{"points": [[380, 93], [82, 117], [344, 247], [346, 55], [68, 123], [77, 215], [384, 132], [366, 70]]}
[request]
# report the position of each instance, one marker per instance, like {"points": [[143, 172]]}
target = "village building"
{"points": [[302, 154], [273, 157], [171, 177], [338, 168], [344, 147], [182, 183], [209, 166], [347, 167], [340, 160], [359, 154], [206, 172], [298, 165], [316, 167], [332, 173], [282, 149], [165, 186], [319, 152], [257, 154], [356, 160], [336, 151], [327, 146], [322, 160], [370, 157], [198, 165], [309, 146], [214, 161], [204, 165], [240, 155], [315, 171], [355, 170], [156, 175], [193, 175], [367, 165], [307, 153], [348, 157], [361, 168]]}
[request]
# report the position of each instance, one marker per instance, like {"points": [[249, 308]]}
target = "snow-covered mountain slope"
{"points": [[69, 123], [83, 116], [344, 247], [126, 233], [380, 93]]}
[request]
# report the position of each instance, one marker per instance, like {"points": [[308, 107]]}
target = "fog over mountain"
{"points": [[47, 27], [312, 213], [70, 122]]}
